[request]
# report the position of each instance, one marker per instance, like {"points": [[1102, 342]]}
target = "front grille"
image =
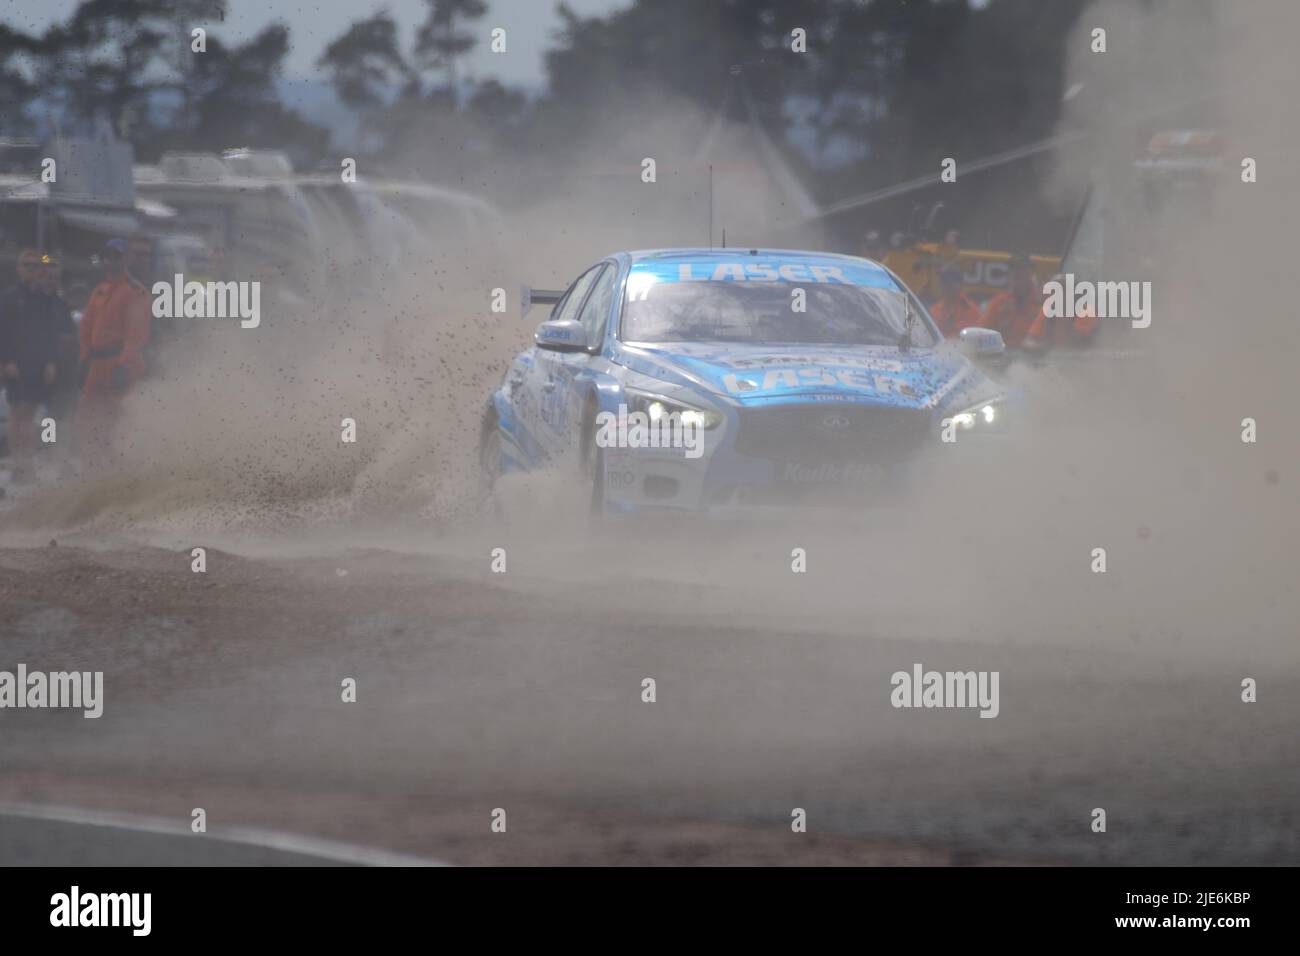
{"points": [[831, 434]]}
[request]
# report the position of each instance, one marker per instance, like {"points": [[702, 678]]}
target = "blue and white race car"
{"points": [[701, 379]]}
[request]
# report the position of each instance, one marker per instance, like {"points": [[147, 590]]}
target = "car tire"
{"points": [[592, 462], [489, 464]]}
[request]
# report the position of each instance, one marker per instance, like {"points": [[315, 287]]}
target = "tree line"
{"points": [[884, 88]]}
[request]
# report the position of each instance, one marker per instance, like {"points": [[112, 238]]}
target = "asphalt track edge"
{"points": [[330, 850]]}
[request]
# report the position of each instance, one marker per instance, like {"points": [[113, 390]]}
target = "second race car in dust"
{"points": [[699, 379]]}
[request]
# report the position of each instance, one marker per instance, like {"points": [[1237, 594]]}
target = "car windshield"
{"points": [[767, 313]]}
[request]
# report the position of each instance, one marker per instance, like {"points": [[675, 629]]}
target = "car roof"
{"points": [[638, 255], [867, 271]]}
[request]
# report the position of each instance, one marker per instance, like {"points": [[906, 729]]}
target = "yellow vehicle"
{"points": [[983, 271]]}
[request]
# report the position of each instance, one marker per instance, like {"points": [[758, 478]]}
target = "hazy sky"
{"points": [[314, 23]]}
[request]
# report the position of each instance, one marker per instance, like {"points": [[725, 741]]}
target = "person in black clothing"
{"points": [[62, 404], [34, 325]]}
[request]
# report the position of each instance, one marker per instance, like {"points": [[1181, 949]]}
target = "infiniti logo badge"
{"points": [[835, 422]]}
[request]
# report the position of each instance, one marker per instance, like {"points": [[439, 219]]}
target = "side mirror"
{"points": [[978, 342], [561, 335]]}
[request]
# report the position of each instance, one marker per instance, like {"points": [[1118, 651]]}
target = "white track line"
{"points": [[250, 836]]}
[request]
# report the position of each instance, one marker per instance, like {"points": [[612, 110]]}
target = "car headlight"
{"points": [[985, 414], [658, 407]]}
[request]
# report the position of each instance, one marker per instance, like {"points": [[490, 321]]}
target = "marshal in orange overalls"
{"points": [[1052, 333], [114, 331], [1012, 316]]}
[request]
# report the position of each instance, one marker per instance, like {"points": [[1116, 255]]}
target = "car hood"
{"points": [[776, 374]]}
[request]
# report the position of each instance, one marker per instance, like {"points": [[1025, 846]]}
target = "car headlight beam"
{"points": [[658, 407], [984, 414]]}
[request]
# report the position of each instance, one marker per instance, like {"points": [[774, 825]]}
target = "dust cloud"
{"points": [[1119, 688], [1135, 449]]}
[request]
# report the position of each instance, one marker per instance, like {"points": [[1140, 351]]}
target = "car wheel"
{"points": [[592, 458], [490, 454]]}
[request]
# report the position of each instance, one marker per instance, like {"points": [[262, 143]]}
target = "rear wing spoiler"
{"points": [[530, 296]]}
